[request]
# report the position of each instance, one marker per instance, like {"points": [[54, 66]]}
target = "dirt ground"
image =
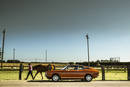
{"points": [[16, 83]]}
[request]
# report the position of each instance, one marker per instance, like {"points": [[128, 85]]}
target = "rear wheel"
{"points": [[55, 78], [88, 78]]}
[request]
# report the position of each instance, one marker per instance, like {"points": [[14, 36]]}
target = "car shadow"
{"points": [[53, 81], [69, 80]]}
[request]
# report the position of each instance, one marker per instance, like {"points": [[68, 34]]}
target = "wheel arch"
{"points": [[88, 74], [55, 74]]}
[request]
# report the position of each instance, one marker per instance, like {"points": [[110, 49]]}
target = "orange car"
{"points": [[73, 72]]}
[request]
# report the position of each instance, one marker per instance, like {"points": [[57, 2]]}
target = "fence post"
{"points": [[103, 72], [20, 71], [128, 71]]}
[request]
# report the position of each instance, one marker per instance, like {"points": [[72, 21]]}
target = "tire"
{"points": [[88, 78], [55, 78]]}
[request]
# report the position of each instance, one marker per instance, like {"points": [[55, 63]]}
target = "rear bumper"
{"points": [[95, 75]]}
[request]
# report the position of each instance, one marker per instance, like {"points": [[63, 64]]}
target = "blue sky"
{"points": [[60, 27]]}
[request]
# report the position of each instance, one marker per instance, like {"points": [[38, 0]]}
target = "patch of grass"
{"points": [[116, 76], [8, 75], [113, 76], [14, 75]]}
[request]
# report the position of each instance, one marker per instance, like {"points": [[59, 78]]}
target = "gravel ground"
{"points": [[16, 83]]}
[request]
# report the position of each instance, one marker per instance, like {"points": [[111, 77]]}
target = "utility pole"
{"points": [[3, 43], [46, 55], [87, 37], [13, 53], [43, 56]]}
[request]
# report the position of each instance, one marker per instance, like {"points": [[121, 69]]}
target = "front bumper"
{"points": [[48, 77]]}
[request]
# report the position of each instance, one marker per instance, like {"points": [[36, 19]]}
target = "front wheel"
{"points": [[55, 78], [88, 78]]}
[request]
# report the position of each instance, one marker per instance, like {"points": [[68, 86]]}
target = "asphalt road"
{"points": [[10, 83]]}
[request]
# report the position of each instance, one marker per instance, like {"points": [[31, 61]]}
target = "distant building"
{"points": [[105, 61], [112, 60], [115, 59]]}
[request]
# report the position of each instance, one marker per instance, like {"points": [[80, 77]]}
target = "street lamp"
{"points": [[3, 43], [87, 37]]}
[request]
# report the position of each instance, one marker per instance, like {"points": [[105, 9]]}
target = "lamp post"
{"points": [[87, 37], [2, 53]]}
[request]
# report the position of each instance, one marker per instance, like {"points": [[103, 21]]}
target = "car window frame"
{"points": [[65, 68]]}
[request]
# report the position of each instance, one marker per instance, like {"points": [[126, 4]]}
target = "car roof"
{"points": [[85, 67]]}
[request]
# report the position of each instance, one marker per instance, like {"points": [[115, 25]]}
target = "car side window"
{"points": [[70, 68], [80, 68], [76, 68]]}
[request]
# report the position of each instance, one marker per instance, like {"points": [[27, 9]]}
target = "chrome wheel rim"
{"points": [[88, 77], [55, 78]]}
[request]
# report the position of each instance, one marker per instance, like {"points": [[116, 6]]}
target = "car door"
{"points": [[80, 72], [69, 72]]}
